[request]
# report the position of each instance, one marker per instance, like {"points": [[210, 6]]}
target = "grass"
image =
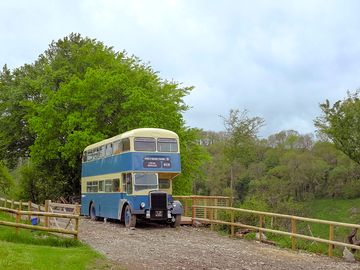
{"points": [[41, 251]]}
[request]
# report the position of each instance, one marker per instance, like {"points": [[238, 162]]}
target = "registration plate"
{"points": [[158, 213]]}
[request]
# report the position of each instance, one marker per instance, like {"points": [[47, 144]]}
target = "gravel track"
{"points": [[162, 247]]}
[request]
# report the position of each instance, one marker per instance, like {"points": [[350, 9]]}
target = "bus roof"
{"points": [[139, 132]]}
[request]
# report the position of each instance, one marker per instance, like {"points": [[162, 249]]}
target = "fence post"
{"points": [[39, 210], [29, 209], [77, 212], [205, 209], [261, 221], [193, 210], [17, 221], [12, 207], [216, 204], [211, 218], [331, 238], [20, 205], [232, 221], [47, 208], [186, 212], [293, 230]]}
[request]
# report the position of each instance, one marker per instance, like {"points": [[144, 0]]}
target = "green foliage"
{"points": [[192, 159], [231, 153], [78, 92], [251, 203], [6, 181], [37, 186], [242, 131], [341, 123]]}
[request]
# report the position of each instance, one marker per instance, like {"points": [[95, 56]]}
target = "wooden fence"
{"points": [[210, 215], [188, 201], [52, 217]]}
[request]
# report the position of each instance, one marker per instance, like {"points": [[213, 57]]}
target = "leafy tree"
{"points": [[78, 92], [242, 135], [192, 159], [341, 123], [241, 144]]}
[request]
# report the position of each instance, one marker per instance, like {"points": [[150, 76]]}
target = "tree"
{"points": [[79, 92], [241, 145], [341, 123]]}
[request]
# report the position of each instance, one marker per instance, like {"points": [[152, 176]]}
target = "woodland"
{"points": [[80, 91]]}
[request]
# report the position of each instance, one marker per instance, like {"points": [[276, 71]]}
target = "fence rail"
{"points": [[53, 217], [211, 219], [189, 201]]}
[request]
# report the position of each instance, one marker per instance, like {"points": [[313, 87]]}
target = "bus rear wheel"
{"points": [[93, 212], [130, 219]]}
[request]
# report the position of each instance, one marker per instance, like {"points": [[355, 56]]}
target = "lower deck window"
{"points": [[116, 185], [112, 185], [92, 186], [127, 183], [101, 185], [145, 181], [108, 185]]}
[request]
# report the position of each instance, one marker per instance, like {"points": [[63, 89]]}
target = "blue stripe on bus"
{"points": [[133, 161]]}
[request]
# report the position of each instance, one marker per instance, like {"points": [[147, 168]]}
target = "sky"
{"points": [[277, 59]]}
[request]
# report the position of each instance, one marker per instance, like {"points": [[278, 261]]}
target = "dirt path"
{"points": [[156, 247]]}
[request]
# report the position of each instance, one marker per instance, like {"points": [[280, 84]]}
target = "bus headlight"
{"points": [[142, 205]]}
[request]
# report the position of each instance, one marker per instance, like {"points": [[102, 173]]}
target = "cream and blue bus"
{"points": [[129, 177]]}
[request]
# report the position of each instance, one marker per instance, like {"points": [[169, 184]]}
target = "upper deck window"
{"points": [[145, 144], [108, 149], [121, 146], [125, 145], [167, 145]]}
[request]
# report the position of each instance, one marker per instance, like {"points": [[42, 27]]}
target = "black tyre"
{"points": [[93, 212], [176, 223], [130, 219]]}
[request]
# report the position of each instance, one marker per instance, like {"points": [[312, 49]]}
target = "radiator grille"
{"points": [[158, 201]]}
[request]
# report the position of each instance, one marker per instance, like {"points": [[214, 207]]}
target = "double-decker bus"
{"points": [[129, 177]]}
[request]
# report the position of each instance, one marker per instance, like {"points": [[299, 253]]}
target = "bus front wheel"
{"points": [[177, 221], [130, 219]]}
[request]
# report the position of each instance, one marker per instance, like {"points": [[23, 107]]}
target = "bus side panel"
{"points": [[136, 200], [85, 204], [106, 204]]}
